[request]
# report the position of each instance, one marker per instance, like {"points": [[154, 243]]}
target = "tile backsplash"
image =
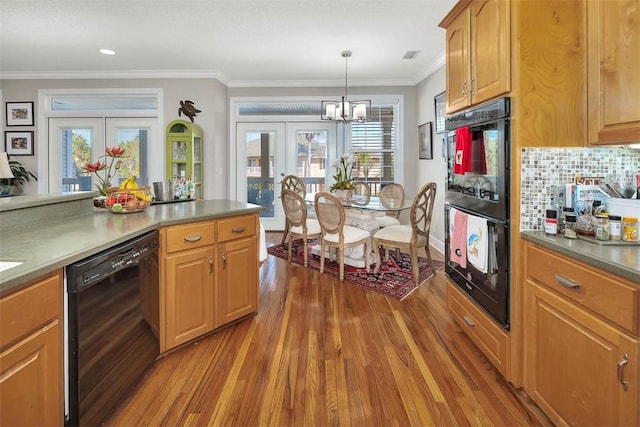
{"points": [[545, 168]]}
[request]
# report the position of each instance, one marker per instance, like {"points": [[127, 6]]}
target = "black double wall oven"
{"points": [[477, 205]]}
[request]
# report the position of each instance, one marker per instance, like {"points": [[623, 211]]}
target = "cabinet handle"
{"points": [[238, 229], [471, 87], [567, 283], [192, 238], [210, 265], [224, 261], [462, 88], [469, 321], [624, 361]]}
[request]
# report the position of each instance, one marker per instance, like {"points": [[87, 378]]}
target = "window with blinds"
{"points": [[374, 145]]}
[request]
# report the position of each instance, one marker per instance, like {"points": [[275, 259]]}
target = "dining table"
{"points": [[360, 212]]}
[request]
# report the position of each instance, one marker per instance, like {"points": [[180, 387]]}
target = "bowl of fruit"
{"points": [[128, 198]]}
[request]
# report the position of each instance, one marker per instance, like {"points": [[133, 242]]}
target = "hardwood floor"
{"points": [[320, 353]]}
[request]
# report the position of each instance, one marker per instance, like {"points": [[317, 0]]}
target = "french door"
{"points": [[267, 152], [74, 142]]}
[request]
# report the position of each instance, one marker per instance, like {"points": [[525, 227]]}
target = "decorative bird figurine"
{"points": [[188, 109]]}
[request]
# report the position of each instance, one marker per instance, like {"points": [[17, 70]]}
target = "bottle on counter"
{"points": [[602, 226], [630, 229], [570, 226], [551, 222], [615, 227]]}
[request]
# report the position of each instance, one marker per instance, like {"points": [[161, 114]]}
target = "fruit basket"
{"points": [[128, 200]]}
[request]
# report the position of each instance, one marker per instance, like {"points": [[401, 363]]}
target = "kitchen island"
{"points": [[47, 232]]}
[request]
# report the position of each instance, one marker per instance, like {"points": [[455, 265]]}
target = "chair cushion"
{"points": [[386, 221], [313, 227], [351, 234], [397, 233]]}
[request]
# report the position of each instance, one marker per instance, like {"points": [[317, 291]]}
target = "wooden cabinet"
{"points": [[209, 277], [581, 341], [490, 337], [613, 77], [477, 52], [31, 376], [237, 290], [187, 285]]}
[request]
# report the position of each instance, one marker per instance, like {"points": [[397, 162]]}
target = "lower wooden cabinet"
{"points": [[31, 377], [491, 338], [238, 267], [189, 296], [581, 366], [209, 277]]}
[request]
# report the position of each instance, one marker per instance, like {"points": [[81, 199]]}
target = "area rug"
{"points": [[395, 278]]}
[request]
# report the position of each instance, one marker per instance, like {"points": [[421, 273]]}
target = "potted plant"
{"points": [[21, 175]]}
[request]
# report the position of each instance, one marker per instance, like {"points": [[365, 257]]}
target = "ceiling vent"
{"points": [[410, 54]]}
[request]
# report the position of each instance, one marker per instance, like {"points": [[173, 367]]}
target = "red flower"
{"points": [[94, 167], [115, 151]]}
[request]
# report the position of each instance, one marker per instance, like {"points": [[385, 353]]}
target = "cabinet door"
{"points": [[457, 57], [237, 293], [31, 380], [614, 79], [490, 49], [189, 294], [575, 365]]}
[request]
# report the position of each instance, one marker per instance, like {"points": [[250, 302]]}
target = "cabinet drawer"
{"points": [[189, 236], [28, 309], [611, 297], [235, 228], [490, 337]]}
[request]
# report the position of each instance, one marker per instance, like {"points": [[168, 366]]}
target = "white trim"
{"points": [[156, 159]]}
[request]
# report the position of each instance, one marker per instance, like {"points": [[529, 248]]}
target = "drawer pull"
{"points": [[469, 321], [621, 364], [192, 238], [567, 283], [238, 229]]}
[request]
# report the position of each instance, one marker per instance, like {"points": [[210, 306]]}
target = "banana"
{"points": [[129, 183]]}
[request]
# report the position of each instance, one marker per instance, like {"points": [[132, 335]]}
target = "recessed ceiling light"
{"points": [[107, 52]]}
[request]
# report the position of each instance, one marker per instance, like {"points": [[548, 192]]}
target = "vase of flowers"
{"points": [[105, 169], [342, 186]]}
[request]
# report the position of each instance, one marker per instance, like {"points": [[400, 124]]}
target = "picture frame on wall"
{"points": [[19, 113], [425, 141], [440, 111], [18, 143]]}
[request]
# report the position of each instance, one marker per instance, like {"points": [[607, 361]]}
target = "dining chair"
{"points": [[391, 195], [361, 193], [295, 210], [335, 234], [411, 236], [297, 185]]}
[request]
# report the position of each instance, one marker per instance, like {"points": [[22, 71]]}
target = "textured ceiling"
{"points": [[240, 42]]}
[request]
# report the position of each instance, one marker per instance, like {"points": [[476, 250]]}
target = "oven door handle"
{"points": [[567, 283]]}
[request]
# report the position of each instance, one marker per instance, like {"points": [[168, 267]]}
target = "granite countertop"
{"points": [[622, 260], [45, 247]]}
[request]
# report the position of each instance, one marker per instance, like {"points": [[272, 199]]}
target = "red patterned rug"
{"points": [[395, 278]]}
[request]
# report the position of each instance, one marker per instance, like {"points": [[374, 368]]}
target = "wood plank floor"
{"points": [[325, 353]]}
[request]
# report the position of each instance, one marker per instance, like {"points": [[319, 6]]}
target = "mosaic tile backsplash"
{"points": [[545, 168]]}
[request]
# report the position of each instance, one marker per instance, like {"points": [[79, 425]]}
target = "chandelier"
{"points": [[345, 111]]}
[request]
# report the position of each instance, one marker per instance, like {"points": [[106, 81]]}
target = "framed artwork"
{"points": [[440, 111], [425, 146], [19, 113], [18, 143]]}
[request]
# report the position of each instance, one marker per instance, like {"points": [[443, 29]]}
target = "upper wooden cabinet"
{"points": [[614, 71], [477, 52]]}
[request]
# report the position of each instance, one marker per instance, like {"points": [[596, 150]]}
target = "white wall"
{"points": [[436, 169], [209, 95]]}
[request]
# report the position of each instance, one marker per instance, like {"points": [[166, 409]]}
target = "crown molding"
{"points": [[115, 74], [433, 66]]}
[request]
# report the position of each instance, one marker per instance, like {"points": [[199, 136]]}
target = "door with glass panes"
{"points": [[267, 152]]}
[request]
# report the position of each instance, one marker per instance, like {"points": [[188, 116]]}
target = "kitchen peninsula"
{"points": [[41, 235]]}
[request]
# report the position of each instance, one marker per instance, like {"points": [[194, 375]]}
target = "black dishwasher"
{"points": [[112, 327]]}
